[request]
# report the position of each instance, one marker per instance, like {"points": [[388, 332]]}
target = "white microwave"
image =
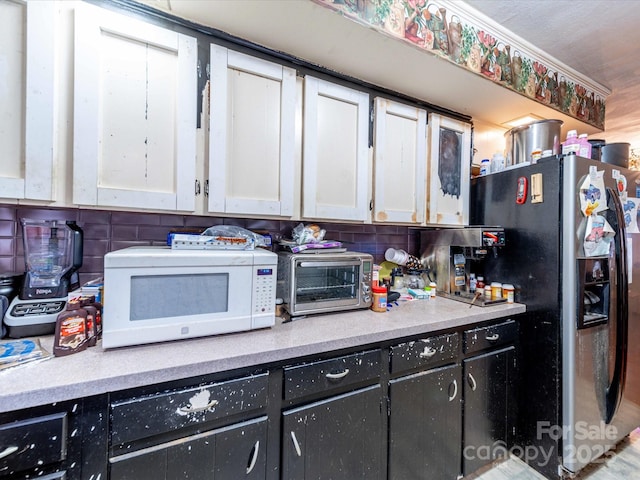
{"points": [[155, 294]]}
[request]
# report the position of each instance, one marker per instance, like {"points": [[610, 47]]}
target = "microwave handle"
{"points": [[354, 261]]}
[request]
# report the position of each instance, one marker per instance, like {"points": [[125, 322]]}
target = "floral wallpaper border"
{"points": [[443, 31]]}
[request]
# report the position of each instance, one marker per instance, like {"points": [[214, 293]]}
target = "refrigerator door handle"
{"points": [[614, 391]]}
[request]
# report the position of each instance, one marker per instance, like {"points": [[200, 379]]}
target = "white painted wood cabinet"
{"points": [[27, 100], [251, 167], [135, 111], [449, 171], [399, 163], [335, 173]]}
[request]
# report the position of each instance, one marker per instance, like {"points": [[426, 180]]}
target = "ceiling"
{"points": [[597, 39]]}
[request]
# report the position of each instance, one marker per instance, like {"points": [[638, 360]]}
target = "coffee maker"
{"points": [[450, 255], [53, 252]]}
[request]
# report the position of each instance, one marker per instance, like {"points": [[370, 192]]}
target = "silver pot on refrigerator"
{"points": [[521, 141]]}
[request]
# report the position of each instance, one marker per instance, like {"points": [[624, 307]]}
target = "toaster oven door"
{"points": [[328, 285]]}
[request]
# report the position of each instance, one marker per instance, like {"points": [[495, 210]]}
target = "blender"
{"points": [[53, 255]]}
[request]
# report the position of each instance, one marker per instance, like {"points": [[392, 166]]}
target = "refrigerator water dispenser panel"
{"points": [[594, 291]]}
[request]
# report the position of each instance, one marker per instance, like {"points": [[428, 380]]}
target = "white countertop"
{"points": [[96, 370]]}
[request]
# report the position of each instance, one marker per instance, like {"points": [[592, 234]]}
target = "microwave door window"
{"points": [[326, 284], [161, 296]]}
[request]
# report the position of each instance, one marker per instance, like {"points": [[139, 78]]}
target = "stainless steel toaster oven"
{"points": [[319, 282]]}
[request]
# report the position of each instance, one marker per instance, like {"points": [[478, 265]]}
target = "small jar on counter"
{"points": [[496, 290], [487, 292], [508, 291], [480, 283], [379, 298], [432, 292]]}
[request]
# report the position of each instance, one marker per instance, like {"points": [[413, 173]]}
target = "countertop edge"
{"points": [[33, 384]]}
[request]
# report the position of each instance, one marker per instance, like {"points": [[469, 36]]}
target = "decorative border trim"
{"points": [[471, 40]]}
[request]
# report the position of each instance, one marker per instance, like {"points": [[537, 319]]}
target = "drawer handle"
{"points": [[455, 390], [337, 376], [254, 457], [187, 410], [8, 451], [296, 445], [472, 382], [493, 338], [428, 352]]}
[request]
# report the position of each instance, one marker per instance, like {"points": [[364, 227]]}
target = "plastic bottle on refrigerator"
{"points": [[585, 146], [571, 144]]}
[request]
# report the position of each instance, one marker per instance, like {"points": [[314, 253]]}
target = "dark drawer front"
{"points": [[492, 336], [327, 375], [33, 443], [424, 352], [146, 416]]}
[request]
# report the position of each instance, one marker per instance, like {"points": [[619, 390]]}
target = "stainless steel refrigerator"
{"points": [[579, 357]]}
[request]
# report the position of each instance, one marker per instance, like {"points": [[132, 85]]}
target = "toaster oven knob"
{"points": [[366, 298], [366, 288]]}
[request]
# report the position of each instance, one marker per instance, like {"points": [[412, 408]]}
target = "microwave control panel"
{"points": [[264, 290]]}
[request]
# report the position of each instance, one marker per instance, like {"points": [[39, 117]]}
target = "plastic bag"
{"points": [[232, 237], [308, 234]]}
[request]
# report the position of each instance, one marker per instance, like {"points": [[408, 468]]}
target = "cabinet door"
{"points": [[400, 163], [252, 135], [449, 171], [425, 425], [26, 99], [488, 407], [236, 452], [337, 438], [335, 173], [135, 96]]}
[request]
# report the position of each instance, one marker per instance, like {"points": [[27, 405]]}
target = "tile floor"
{"points": [[623, 464]]}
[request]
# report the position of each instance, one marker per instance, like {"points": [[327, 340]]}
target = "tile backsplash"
{"points": [[105, 231]]}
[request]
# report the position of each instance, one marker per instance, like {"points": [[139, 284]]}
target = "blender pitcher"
{"points": [[53, 252]]}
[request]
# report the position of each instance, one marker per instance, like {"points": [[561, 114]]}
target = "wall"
{"points": [[105, 231]]}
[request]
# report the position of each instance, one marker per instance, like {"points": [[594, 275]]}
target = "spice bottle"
{"points": [[432, 292], [480, 283], [473, 283], [379, 298], [508, 292], [71, 332], [496, 290], [487, 292]]}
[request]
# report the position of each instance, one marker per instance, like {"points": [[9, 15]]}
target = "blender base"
{"points": [[29, 318]]}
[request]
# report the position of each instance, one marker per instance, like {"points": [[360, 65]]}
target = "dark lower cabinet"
{"points": [[231, 453], [425, 425], [339, 438], [488, 407]]}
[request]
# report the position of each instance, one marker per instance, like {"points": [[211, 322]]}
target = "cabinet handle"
{"points": [[428, 352], [455, 390], [254, 457], [337, 376], [472, 382], [186, 410], [8, 451], [493, 338], [296, 445]]}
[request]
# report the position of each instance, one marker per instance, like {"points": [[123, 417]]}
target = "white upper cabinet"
{"points": [[135, 111], [335, 176], [400, 163], [449, 171], [251, 135], [27, 100]]}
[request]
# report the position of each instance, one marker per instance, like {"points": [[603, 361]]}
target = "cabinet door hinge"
{"points": [[206, 187], [197, 187], [370, 205]]}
